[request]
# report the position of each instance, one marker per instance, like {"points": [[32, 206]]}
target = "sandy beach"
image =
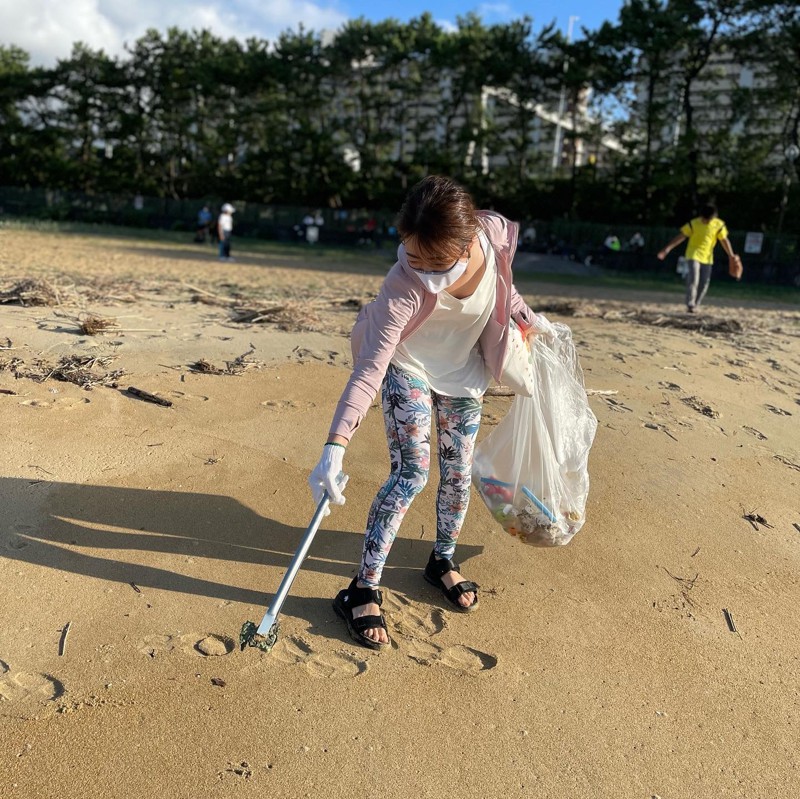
{"points": [[135, 540]]}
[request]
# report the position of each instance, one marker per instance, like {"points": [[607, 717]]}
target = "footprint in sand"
{"points": [[154, 645], [208, 645], [288, 405], [295, 650], [466, 659], [336, 665], [215, 646], [411, 620], [36, 404], [61, 403], [15, 543], [417, 624], [459, 658], [23, 693], [182, 395], [292, 649]]}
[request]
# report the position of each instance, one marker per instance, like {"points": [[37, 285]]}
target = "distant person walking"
{"points": [[203, 224], [703, 232], [225, 231]]}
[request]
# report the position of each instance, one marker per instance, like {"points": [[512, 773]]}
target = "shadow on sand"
{"points": [[94, 530]]}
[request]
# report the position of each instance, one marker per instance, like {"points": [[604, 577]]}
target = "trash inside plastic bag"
{"points": [[532, 470]]}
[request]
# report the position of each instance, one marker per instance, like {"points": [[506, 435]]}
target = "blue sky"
{"points": [[47, 29], [591, 13]]}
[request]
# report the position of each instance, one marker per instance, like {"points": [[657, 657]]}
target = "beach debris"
{"points": [[796, 526], [786, 462], [616, 405], [290, 316], [148, 397], [696, 551], [76, 369], [206, 367], [698, 405], [729, 620], [755, 519], [596, 392], [8, 391], [240, 769], [702, 324], [209, 298], [31, 291], [8, 345], [62, 644], [237, 366], [778, 411], [91, 325], [12, 365], [218, 681], [135, 587], [753, 432], [682, 601], [660, 427]]}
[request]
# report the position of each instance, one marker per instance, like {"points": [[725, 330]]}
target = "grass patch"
{"points": [[379, 261], [667, 284]]}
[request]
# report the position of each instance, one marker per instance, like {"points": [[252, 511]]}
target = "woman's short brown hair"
{"points": [[440, 214]]}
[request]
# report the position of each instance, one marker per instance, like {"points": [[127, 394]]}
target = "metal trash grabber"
{"points": [[265, 635]]}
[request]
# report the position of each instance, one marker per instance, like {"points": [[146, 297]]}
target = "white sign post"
{"points": [[753, 242]]}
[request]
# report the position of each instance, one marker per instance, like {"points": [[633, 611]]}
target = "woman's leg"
{"points": [[458, 420], [407, 405]]}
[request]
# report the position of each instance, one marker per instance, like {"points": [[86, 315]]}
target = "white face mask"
{"points": [[439, 281]]}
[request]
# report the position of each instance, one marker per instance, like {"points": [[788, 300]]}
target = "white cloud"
{"points": [[47, 29], [489, 11]]}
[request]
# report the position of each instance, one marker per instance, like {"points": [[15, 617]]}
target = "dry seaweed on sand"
{"points": [[206, 367], [237, 366], [31, 291], [680, 321], [76, 369], [91, 325], [293, 317], [12, 365]]}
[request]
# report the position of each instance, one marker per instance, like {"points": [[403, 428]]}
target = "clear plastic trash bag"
{"points": [[532, 470]]}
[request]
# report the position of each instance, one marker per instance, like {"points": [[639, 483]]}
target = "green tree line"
{"points": [[352, 120]]}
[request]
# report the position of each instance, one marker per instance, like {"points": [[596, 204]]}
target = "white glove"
{"points": [[542, 326], [328, 476]]}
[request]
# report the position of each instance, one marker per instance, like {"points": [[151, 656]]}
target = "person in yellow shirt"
{"points": [[703, 233]]}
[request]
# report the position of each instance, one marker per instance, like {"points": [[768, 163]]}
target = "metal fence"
{"points": [[777, 263]]}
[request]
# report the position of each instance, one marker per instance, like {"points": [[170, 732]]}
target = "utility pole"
{"points": [[562, 102]]}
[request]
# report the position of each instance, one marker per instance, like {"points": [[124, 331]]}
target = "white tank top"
{"points": [[444, 350]]}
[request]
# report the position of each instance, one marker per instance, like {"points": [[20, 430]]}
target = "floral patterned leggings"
{"points": [[408, 405]]}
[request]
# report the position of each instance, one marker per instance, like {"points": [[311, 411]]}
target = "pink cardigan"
{"points": [[403, 304]]}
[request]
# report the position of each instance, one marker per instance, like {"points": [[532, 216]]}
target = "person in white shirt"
{"points": [[225, 230]]}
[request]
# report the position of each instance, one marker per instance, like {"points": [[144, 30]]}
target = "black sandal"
{"points": [[434, 572], [353, 597]]}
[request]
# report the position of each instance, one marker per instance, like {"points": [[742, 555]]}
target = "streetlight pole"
{"points": [[562, 101]]}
